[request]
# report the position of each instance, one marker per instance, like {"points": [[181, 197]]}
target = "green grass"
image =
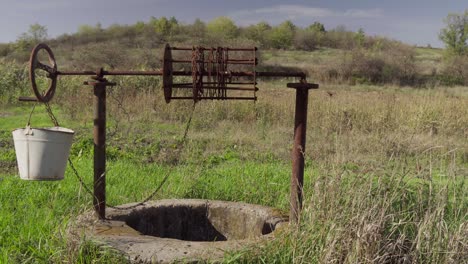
{"points": [[296, 58], [429, 59]]}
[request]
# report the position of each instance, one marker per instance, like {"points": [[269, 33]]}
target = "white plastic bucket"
{"points": [[42, 153]]}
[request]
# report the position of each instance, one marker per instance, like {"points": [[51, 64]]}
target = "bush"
{"points": [[307, 40], [455, 71], [14, 81], [395, 65]]}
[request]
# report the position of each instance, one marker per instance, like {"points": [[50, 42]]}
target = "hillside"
{"points": [[331, 56]]}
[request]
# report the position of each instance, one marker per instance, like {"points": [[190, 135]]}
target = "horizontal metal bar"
{"points": [[186, 73], [230, 49], [236, 83], [303, 85], [230, 61], [27, 99], [214, 98], [143, 73], [219, 88], [130, 73], [241, 74], [87, 73]]}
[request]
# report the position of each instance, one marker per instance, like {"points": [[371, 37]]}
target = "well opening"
{"points": [[198, 222]]}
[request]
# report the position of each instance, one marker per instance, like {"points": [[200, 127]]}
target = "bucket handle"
{"points": [[28, 130]]}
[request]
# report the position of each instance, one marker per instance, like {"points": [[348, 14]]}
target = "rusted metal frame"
{"points": [[255, 72], [211, 68], [225, 60]]}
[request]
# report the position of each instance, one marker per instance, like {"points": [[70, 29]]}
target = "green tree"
{"points": [[162, 25], [197, 29], [139, 27], [90, 30], [360, 37], [455, 34], [258, 32], [316, 27], [36, 34], [222, 27], [282, 36]]}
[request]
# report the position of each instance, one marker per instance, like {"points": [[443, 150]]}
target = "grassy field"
{"points": [[386, 171]]}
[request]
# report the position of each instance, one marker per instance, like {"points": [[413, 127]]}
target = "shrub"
{"points": [[359, 66], [307, 40], [14, 81], [455, 71]]}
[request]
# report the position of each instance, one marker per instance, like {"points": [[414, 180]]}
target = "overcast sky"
{"points": [[412, 21]]}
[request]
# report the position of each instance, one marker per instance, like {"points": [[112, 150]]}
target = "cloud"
{"points": [[364, 13], [302, 12]]}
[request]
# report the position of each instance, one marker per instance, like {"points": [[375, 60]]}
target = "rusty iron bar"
{"points": [[247, 74], [207, 49], [215, 87], [233, 83], [298, 151], [230, 61], [99, 199], [214, 98], [186, 73]]}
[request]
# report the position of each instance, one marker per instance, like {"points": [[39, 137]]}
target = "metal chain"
{"points": [[119, 102], [151, 196], [197, 72], [30, 115], [51, 115]]}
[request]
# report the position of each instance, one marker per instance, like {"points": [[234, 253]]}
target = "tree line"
{"points": [[219, 31], [368, 59]]}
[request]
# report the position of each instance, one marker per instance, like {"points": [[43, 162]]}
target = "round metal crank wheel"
{"points": [[34, 64]]}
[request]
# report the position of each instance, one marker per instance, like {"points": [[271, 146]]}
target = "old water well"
{"points": [[161, 231], [165, 231]]}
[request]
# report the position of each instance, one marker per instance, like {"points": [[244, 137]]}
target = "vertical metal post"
{"points": [[99, 200], [300, 128]]}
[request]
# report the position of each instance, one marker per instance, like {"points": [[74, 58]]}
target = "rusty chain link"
{"points": [[51, 115]]}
